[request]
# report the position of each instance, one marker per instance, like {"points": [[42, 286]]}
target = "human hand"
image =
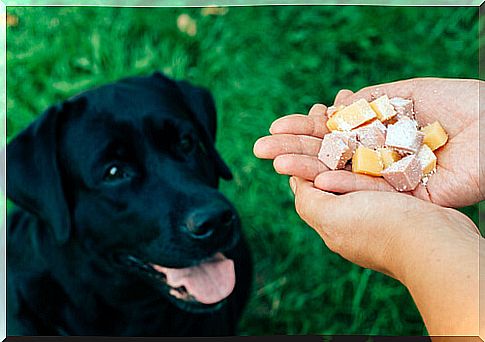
{"points": [[382, 231], [432, 250], [296, 139]]}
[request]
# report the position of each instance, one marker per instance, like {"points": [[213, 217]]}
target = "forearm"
{"points": [[443, 279], [448, 298], [481, 150]]}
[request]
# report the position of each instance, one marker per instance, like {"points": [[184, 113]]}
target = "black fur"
{"points": [[76, 227]]}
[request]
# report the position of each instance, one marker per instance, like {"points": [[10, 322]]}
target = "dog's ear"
{"points": [[33, 177], [201, 104]]}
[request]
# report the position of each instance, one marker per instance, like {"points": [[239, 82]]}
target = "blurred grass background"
{"points": [[260, 63]]}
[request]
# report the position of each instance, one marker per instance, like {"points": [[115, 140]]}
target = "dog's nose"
{"points": [[202, 223]]}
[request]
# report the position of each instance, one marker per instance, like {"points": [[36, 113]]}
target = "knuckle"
{"points": [[314, 128], [300, 145], [303, 203], [331, 245], [334, 240], [299, 204]]}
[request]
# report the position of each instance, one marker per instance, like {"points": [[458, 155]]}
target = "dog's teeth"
{"points": [[132, 260], [176, 294], [146, 267], [182, 294]]}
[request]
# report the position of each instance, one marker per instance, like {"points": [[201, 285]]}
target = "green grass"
{"points": [[260, 63]]}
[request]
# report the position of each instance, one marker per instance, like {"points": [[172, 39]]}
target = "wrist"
{"points": [[442, 276], [429, 239], [481, 179]]}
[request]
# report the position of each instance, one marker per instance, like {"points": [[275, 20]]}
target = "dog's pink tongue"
{"points": [[208, 282]]}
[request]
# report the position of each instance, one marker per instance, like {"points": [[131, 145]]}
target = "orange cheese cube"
{"points": [[427, 159], [351, 116], [367, 161], [388, 156], [383, 108], [434, 135]]}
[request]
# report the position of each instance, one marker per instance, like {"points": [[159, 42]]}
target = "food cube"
{"points": [[372, 135], [388, 156], [405, 174], [337, 148], [427, 159], [434, 135], [404, 136], [382, 138], [383, 108], [403, 107], [367, 161], [352, 116]]}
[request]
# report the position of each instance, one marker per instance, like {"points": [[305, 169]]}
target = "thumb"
{"points": [[314, 206]]}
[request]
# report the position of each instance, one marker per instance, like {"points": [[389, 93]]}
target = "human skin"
{"points": [[432, 250], [295, 141]]}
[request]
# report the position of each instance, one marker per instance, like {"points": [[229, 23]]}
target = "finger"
{"points": [[312, 205], [346, 181], [400, 88], [270, 147], [318, 109], [313, 125], [342, 95], [302, 166], [422, 192]]}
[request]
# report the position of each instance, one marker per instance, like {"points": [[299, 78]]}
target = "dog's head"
{"points": [[129, 173]]}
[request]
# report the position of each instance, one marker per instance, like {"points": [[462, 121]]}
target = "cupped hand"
{"points": [[295, 141], [384, 231]]}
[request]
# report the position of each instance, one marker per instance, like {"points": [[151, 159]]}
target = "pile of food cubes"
{"points": [[383, 139]]}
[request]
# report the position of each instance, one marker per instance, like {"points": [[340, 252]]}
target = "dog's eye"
{"points": [[116, 173], [187, 143]]}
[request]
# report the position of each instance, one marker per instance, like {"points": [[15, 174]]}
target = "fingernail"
{"points": [[271, 128], [293, 184], [258, 148]]}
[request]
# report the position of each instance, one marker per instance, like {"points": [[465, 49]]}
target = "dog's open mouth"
{"points": [[208, 283]]}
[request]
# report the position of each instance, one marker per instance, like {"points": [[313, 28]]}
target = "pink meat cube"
{"points": [[405, 174], [372, 135], [404, 136], [403, 107], [337, 148]]}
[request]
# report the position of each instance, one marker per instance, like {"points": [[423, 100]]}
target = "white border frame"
{"points": [[142, 3]]}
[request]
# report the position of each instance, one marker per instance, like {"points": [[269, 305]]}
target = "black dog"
{"points": [[121, 230]]}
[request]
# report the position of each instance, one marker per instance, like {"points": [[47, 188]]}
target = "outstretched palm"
{"points": [[296, 139]]}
